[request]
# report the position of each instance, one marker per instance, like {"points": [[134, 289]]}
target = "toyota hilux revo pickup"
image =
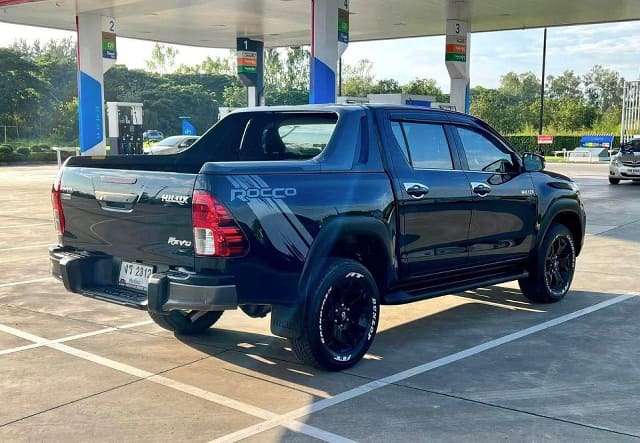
{"points": [[317, 215]]}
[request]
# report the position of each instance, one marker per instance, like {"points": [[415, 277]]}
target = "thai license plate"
{"points": [[635, 171], [134, 275]]}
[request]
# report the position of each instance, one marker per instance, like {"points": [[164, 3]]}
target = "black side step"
{"points": [[401, 297]]}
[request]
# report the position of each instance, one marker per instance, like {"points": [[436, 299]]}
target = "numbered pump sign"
{"points": [[249, 61], [456, 46], [109, 50]]}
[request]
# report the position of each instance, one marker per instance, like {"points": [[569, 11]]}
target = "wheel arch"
{"points": [[568, 213], [364, 239], [287, 321]]}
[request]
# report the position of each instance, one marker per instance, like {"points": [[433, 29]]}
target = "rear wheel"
{"points": [[614, 181], [341, 318], [186, 322], [555, 264]]}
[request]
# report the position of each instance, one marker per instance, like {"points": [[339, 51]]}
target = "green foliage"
{"points": [[286, 77], [235, 96], [423, 86], [10, 157], [163, 59], [386, 86], [38, 92], [43, 156], [217, 66], [6, 149], [357, 80], [23, 151], [566, 86], [167, 97], [38, 148], [529, 143], [603, 88]]}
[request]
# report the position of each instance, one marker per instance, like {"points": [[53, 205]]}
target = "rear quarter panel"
{"points": [[281, 215]]}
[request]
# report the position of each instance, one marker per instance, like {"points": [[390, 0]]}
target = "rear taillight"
{"points": [[56, 203], [215, 232]]}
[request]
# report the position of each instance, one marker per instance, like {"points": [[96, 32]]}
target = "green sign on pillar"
{"points": [[250, 55], [456, 42], [343, 23]]}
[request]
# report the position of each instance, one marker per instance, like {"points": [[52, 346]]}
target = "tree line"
{"points": [[38, 91], [573, 103]]}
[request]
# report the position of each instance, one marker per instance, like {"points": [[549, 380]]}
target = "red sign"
{"points": [[545, 139], [16, 2]]}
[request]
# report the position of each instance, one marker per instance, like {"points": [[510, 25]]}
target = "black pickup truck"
{"points": [[317, 215]]}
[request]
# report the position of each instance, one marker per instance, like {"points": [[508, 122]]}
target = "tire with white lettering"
{"points": [[341, 318], [554, 266], [186, 322]]}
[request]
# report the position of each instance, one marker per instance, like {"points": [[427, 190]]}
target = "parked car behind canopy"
{"points": [[171, 145]]}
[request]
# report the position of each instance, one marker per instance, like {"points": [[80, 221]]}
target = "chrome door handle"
{"points": [[416, 190], [481, 189]]}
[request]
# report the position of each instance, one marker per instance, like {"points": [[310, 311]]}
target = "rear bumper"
{"points": [[95, 276]]}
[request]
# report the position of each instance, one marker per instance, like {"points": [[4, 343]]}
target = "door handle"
{"points": [[481, 189], [416, 190]]}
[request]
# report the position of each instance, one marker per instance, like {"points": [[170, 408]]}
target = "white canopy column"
{"points": [[96, 54]]}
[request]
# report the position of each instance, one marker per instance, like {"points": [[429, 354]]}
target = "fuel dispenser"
{"points": [[125, 128]]}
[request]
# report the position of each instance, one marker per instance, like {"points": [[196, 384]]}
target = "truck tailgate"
{"points": [[135, 215]]}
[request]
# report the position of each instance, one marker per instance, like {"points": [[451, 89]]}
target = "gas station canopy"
{"points": [[217, 23]]}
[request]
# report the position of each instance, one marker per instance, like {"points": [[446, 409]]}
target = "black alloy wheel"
{"points": [[552, 268], [346, 314], [559, 264], [341, 318]]}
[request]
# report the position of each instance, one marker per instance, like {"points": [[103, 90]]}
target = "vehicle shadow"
{"points": [[407, 337]]}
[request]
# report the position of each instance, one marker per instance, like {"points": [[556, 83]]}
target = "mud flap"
{"points": [[287, 321]]}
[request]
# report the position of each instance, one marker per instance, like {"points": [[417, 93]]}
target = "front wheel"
{"points": [[186, 322], [554, 267], [614, 181], [341, 318]]}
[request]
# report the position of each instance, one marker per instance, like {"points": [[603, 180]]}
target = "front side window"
{"points": [[484, 155], [427, 144]]}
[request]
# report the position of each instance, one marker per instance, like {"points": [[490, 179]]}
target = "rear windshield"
{"points": [[266, 136]]}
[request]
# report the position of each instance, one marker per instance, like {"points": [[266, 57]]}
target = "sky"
{"points": [[492, 54]]}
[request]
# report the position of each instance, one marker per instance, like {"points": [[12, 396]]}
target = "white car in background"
{"points": [[171, 145], [625, 165]]}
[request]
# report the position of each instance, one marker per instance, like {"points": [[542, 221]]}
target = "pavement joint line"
{"points": [[520, 411], [74, 337], [95, 394], [624, 225], [25, 282], [25, 226], [174, 384], [411, 372], [25, 247]]}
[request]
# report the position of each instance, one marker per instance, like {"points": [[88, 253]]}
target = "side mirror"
{"points": [[533, 162]]}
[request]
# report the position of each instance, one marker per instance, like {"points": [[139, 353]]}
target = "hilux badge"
{"points": [[179, 199]]}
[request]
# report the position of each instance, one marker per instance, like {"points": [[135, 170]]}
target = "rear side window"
{"points": [[266, 136], [426, 142]]}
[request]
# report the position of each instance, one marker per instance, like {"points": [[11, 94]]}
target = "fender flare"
{"points": [[328, 237], [557, 207], [288, 321]]}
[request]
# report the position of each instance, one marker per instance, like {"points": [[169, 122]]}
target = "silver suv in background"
{"points": [[625, 165]]}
